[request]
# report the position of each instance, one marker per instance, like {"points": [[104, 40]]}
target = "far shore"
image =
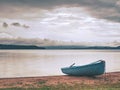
{"points": [[39, 82]]}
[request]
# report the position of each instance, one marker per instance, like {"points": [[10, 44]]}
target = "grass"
{"points": [[41, 82], [71, 87]]}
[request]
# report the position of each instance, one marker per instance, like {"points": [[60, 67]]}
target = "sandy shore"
{"points": [[26, 82]]}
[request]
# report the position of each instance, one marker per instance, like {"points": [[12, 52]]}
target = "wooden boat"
{"points": [[92, 69]]}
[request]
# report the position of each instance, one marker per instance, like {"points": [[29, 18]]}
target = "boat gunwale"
{"points": [[84, 66]]}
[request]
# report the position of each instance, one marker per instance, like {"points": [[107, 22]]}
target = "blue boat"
{"points": [[92, 69]]}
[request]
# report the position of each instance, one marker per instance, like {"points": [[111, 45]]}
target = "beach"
{"points": [[63, 81]]}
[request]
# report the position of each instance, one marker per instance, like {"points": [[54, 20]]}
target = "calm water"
{"points": [[27, 63]]}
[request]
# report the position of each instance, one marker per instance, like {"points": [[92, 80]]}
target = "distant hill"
{"points": [[4, 46], [81, 47]]}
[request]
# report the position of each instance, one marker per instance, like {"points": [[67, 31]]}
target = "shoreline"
{"points": [[37, 82]]}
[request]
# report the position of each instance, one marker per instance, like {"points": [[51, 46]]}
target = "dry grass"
{"points": [[109, 81]]}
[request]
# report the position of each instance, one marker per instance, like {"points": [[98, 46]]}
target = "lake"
{"points": [[29, 63]]}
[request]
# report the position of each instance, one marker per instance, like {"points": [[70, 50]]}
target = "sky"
{"points": [[60, 22]]}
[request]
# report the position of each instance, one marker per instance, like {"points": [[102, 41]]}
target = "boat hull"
{"points": [[93, 69]]}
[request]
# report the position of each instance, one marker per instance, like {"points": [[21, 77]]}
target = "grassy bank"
{"points": [[108, 81], [70, 87]]}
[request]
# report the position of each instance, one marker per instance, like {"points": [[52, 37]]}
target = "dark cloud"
{"points": [[105, 9], [5, 25], [16, 24]]}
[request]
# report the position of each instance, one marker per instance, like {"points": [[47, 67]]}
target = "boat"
{"points": [[92, 69]]}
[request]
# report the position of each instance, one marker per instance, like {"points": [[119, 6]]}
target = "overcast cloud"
{"points": [[106, 9], [60, 20]]}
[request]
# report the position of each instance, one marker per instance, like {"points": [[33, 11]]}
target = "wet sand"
{"points": [[27, 82]]}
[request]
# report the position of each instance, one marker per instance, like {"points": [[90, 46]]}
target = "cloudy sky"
{"points": [[82, 21]]}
